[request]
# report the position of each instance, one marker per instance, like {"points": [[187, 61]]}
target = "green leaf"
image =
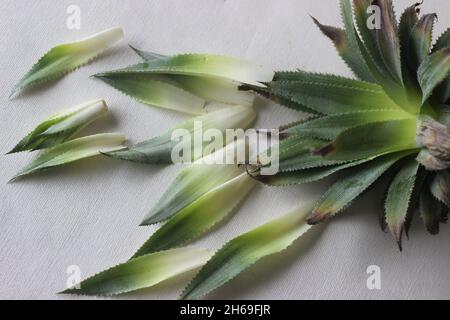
{"points": [[159, 150], [345, 45], [388, 40], [329, 127], [286, 102], [443, 41], [222, 67], [440, 187], [65, 58], [193, 182], [209, 88], [333, 95], [434, 69], [151, 91], [430, 211], [303, 176], [443, 92], [372, 139], [397, 205], [245, 250], [142, 272], [408, 20], [371, 54], [353, 39], [345, 190], [296, 153], [420, 42], [198, 217], [62, 126], [72, 151]]}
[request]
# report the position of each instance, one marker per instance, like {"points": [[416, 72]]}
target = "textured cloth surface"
{"points": [[87, 214]]}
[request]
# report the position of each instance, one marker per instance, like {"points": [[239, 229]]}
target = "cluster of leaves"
{"points": [[392, 121]]}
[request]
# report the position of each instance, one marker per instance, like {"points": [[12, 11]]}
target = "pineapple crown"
{"points": [[394, 120]]}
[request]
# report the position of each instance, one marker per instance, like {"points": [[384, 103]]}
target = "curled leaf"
{"points": [[73, 150], [142, 272], [247, 249], [62, 126], [159, 149], [65, 58], [199, 216]]}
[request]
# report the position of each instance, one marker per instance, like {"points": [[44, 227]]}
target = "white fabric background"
{"points": [[87, 214]]}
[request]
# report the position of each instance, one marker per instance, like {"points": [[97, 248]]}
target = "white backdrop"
{"points": [[87, 214]]}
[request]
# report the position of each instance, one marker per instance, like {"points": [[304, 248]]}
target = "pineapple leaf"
{"points": [[368, 46], [333, 95], [245, 250], [388, 39], [62, 126], [443, 41], [286, 102], [65, 58], [440, 187], [199, 216], [420, 42], [344, 43], [296, 153], [329, 127], [347, 189], [209, 88], [151, 91], [142, 272], [147, 55], [73, 150], [408, 20], [434, 69], [194, 181], [221, 67], [159, 150], [305, 175], [213, 89], [398, 199], [372, 139], [353, 38], [430, 211]]}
